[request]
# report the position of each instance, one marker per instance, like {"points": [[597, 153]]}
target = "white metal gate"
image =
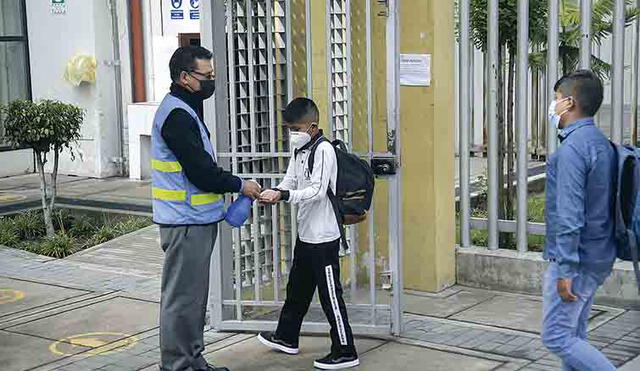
{"points": [[251, 41]]}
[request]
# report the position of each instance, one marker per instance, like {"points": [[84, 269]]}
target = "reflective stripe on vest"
{"points": [[204, 198], [173, 195], [169, 194], [166, 166]]}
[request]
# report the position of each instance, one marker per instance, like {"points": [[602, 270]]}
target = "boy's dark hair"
{"points": [[184, 59], [301, 110], [585, 87]]}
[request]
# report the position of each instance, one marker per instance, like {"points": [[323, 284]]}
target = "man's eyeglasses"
{"points": [[209, 76]]}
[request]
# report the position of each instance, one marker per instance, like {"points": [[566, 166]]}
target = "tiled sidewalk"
{"points": [[113, 293]]}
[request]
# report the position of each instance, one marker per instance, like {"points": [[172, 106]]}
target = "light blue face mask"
{"points": [[554, 118]]}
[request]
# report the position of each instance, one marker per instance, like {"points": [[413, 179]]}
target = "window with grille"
{"points": [[14, 57]]}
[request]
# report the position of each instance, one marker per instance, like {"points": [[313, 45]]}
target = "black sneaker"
{"points": [[269, 339], [336, 362]]}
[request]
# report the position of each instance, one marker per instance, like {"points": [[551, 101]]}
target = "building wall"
{"points": [[85, 28], [162, 40]]}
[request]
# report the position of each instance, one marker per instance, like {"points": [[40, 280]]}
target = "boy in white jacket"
{"points": [[316, 261]]}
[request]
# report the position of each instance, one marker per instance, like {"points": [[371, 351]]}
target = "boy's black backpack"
{"points": [[627, 205], [354, 186]]}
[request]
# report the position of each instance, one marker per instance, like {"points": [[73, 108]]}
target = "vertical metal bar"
{"points": [[522, 120], [465, 123], [307, 24], [635, 81], [237, 246], [287, 32], [255, 227], [494, 186], [270, 82], [222, 262], [395, 182], [252, 81], [371, 217], [585, 29], [275, 232], [349, 72], [552, 67], [329, 51], [617, 83]]}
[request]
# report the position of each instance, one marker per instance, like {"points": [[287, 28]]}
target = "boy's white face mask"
{"points": [[297, 139]]}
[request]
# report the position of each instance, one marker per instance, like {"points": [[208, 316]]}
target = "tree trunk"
{"points": [[54, 179], [46, 208]]}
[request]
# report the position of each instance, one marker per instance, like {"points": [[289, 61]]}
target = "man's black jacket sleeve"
{"points": [[182, 135]]}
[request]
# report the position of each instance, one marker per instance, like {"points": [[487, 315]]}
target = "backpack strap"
{"points": [[312, 155]]}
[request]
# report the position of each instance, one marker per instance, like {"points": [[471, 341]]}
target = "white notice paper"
{"points": [[415, 69]]}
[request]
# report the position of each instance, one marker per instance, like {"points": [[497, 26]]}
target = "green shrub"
{"points": [[29, 225], [58, 246], [8, 237], [103, 234], [83, 227], [132, 224], [64, 220]]}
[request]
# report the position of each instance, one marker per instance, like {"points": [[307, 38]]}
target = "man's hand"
{"points": [[251, 189], [564, 290], [270, 197]]}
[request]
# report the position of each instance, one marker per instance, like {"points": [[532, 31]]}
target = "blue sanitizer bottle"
{"points": [[239, 211]]}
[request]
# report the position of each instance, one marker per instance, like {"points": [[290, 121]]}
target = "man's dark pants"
{"points": [[185, 287]]}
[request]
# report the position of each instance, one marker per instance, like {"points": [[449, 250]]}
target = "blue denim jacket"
{"points": [[579, 198]]}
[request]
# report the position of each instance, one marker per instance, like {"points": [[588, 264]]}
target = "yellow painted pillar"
{"points": [[319, 72], [298, 49], [427, 135]]}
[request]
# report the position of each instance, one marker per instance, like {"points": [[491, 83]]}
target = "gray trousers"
{"points": [[185, 287]]}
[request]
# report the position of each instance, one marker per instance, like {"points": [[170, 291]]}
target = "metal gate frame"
{"points": [[217, 34]]}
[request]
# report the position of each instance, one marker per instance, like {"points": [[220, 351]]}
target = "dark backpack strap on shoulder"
{"points": [[336, 210], [312, 155]]}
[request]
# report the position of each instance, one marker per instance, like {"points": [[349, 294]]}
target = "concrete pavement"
{"points": [[98, 310]]}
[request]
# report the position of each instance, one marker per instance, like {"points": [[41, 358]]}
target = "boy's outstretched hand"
{"points": [[269, 197]]}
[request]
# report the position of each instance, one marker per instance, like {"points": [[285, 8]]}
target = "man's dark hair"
{"points": [[301, 110], [184, 59], [585, 87]]}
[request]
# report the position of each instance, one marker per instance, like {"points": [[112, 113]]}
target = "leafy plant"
{"points": [[8, 237], [601, 28], [58, 246], [28, 225], [82, 228], [47, 127]]}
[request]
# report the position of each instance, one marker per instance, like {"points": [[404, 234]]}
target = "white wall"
{"points": [[16, 162], [53, 40], [164, 41]]}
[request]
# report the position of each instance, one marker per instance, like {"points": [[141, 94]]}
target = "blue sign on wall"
{"points": [[176, 4]]}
